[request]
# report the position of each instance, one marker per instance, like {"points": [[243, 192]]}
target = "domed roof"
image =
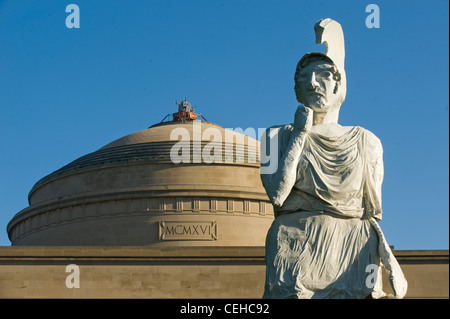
{"points": [[155, 144], [136, 180]]}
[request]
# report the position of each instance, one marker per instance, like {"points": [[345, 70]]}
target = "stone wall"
{"points": [[171, 272]]}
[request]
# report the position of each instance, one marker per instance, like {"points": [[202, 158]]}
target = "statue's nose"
{"points": [[312, 83]]}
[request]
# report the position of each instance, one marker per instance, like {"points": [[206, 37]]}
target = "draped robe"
{"points": [[325, 241]]}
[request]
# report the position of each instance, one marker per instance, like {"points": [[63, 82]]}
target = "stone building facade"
{"points": [[174, 211], [175, 272]]}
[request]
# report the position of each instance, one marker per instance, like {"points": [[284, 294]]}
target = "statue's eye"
{"points": [[324, 74]]}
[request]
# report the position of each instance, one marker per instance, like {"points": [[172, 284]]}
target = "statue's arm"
{"points": [[374, 177], [283, 156]]}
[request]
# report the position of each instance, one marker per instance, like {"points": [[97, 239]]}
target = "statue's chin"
{"points": [[319, 107], [323, 107]]}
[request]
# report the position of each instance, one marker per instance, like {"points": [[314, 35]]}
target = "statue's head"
{"points": [[319, 84], [320, 81]]}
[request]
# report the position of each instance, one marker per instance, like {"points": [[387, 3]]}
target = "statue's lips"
{"points": [[315, 94]]}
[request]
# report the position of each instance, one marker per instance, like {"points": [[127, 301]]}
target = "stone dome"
{"points": [[182, 183]]}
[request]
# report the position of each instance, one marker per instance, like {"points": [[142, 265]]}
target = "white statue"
{"points": [[325, 241]]}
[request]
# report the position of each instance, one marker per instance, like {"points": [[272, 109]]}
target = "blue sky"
{"points": [[67, 92]]}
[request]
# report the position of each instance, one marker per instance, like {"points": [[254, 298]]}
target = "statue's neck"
{"points": [[329, 117]]}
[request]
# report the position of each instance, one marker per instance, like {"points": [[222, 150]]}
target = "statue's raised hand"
{"points": [[303, 119]]}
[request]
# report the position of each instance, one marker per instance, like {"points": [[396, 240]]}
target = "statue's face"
{"points": [[316, 86]]}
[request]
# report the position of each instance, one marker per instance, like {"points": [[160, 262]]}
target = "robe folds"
{"points": [[325, 241]]}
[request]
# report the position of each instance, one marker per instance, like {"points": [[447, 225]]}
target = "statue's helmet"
{"points": [[329, 32]]}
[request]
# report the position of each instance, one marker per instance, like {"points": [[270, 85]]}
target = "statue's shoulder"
{"points": [[373, 146], [371, 138]]}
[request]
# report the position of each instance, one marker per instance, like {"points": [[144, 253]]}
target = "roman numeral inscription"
{"points": [[181, 230]]}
